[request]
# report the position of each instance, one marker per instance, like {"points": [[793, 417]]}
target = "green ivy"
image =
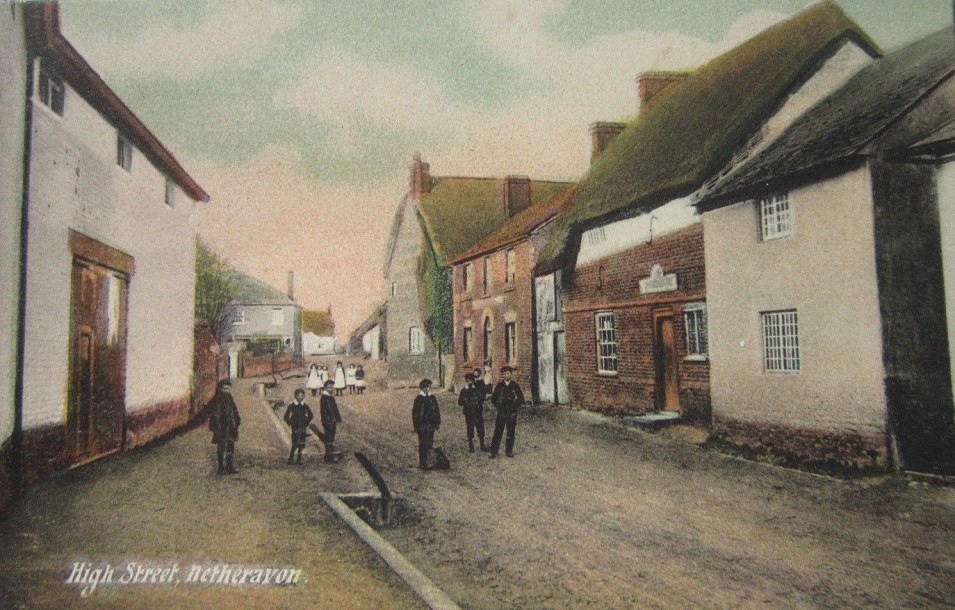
{"points": [[434, 285]]}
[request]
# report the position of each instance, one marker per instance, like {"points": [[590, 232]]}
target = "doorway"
{"points": [[667, 393]]}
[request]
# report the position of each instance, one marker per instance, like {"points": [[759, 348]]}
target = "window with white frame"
{"points": [[278, 316], [487, 275], [510, 264], [170, 193], [606, 342], [781, 341], [468, 343], [124, 153], [694, 318], [394, 288], [510, 342], [52, 91], [467, 277], [776, 216], [415, 340], [238, 317]]}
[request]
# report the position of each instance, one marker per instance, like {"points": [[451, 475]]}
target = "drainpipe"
{"points": [[17, 444]]}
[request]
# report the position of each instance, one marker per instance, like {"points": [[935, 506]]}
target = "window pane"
{"points": [[781, 341]]}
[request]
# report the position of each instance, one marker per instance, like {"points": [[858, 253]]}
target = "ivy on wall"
{"points": [[434, 287]]}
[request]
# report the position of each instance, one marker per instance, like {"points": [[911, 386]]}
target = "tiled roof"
{"points": [[519, 226], [457, 212], [693, 127], [253, 291], [841, 125]]}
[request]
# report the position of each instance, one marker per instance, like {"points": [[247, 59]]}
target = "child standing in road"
{"points": [[426, 419], [331, 417], [350, 378], [298, 415], [224, 423], [471, 399], [360, 379]]}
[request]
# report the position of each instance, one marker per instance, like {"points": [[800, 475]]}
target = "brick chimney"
{"points": [[420, 181], [514, 194], [652, 84], [291, 285], [602, 134]]}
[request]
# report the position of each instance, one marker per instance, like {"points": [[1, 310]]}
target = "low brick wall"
{"points": [[151, 423], [257, 366], [209, 366], [841, 448], [44, 452]]}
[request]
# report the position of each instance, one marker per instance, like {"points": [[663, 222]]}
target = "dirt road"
{"points": [[590, 514]]}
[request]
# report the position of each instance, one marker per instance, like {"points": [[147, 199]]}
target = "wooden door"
{"points": [[667, 369]]}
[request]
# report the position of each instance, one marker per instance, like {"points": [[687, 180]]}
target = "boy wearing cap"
{"points": [[224, 423], [298, 416], [507, 397], [471, 399], [426, 419]]}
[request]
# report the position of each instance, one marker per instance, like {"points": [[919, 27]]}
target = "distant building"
{"points": [[318, 332], [369, 337], [264, 317], [99, 217]]}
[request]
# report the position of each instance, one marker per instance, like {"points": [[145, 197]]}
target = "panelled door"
{"points": [[667, 367]]}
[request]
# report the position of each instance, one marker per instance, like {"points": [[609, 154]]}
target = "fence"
{"points": [[267, 364]]}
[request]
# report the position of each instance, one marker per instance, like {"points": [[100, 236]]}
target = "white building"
{"points": [[106, 334]]}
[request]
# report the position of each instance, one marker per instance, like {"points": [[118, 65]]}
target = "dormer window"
{"points": [[124, 153], [52, 91]]}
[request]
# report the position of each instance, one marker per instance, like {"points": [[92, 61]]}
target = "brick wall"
{"points": [[612, 284]]}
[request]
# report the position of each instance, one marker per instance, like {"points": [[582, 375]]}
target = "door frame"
{"points": [[663, 386]]}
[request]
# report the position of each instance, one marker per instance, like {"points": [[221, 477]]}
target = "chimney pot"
{"points": [[291, 285], [420, 181], [602, 134], [514, 194]]}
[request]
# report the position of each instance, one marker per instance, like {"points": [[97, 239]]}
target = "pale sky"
{"points": [[299, 117]]}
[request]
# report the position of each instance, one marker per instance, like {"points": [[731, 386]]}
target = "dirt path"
{"points": [[593, 515]]}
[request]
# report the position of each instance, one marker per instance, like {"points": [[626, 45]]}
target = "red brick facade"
{"points": [[507, 303], [612, 284]]}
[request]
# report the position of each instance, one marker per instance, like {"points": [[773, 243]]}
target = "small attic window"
{"points": [[52, 90], [170, 193], [124, 153]]}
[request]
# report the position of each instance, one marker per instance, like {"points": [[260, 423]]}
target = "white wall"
{"points": [[13, 74], [826, 271], [946, 209], [76, 184]]}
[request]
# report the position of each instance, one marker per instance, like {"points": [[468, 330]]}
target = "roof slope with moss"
{"points": [[842, 125], [253, 291], [520, 225], [693, 128], [458, 212]]}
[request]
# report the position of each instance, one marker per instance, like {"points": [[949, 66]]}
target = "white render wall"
{"points": [[827, 272], [76, 184], [946, 209], [13, 74]]}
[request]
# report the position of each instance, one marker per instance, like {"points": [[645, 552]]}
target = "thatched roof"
{"points": [[457, 212], [519, 226], [840, 126], [253, 291], [693, 128]]}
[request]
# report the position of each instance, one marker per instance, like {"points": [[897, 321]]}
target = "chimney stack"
{"points": [[420, 182], [652, 84], [514, 194], [291, 285], [602, 134]]}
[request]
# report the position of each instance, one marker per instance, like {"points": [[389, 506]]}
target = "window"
{"points": [[467, 277], [510, 263], [124, 153], [415, 340], [781, 341], [775, 216], [52, 91], [278, 316], [394, 289], [606, 342], [170, 193], [487, 275], [510, 342], [487, 338], [238, 318], [694, 316], [596, 236], [467, 348]]}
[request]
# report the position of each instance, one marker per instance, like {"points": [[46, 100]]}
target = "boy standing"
{"points": [[471, 399], [298, 415], [426, 418], [507, 398], [328, 413], [224, 423]]}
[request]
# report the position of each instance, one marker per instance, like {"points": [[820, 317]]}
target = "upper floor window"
{"points": [[694, 316], [170, 193], [52, 91], [415, 340], [510, 264], [278, 316], [776, 216], [487, 275], [781, 341], [468, 343], [238, 317], [124, 153], [510, 343], [487, 338], [467, 277], [394, 289], [606, 342]]}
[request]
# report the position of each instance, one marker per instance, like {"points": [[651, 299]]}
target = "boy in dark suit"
{"points": [[224, 423], [426, 418], [507, 398], [298, 415], [471, 399], [330, 416]]}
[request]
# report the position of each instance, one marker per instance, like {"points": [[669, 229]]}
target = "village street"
{"points": [[588, 514]]}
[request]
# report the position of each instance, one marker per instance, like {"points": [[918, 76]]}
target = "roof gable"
{"points": [[457, 212], [693, 127]]}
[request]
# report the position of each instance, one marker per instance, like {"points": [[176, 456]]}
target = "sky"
{"points": [[300, 117]]}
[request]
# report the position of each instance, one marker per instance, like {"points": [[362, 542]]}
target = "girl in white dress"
{"points": [[350, 378], [314, 381], [339, 378]]}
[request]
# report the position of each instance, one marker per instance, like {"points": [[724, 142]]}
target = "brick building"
{"points": [[104, 237], [636, 329], [494, 288]]}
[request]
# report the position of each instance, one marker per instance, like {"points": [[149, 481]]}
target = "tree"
{"points": [[215, 288]]}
